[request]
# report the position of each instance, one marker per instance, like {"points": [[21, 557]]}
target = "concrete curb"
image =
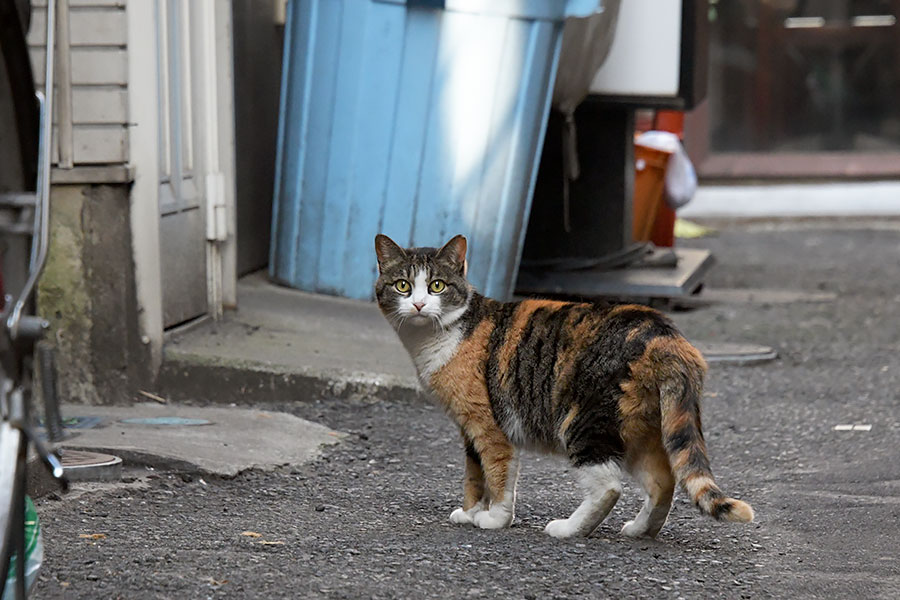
{"points": [[189, 377]]}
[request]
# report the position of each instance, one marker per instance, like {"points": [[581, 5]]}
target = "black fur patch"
{"points": [[681, 439], [721, 509]]}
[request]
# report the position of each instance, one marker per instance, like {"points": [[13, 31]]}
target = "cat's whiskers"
{"points": [[439, 321], [397, 318]]}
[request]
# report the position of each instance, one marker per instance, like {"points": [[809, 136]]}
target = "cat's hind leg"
{"points": [[602, 483], [652, 470]]}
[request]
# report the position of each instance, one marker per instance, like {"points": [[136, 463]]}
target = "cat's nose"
{"points": [[419, 306]]}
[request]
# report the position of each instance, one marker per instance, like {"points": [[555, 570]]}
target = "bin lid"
{"points": [[542, 10]]}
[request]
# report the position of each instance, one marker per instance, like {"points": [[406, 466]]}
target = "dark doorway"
{"points": [[257, 81]]}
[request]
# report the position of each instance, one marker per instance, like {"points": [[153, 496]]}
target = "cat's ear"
{"points": [[387, 251], [454, 252]]}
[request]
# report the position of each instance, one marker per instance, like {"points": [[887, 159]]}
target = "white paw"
{"points": [[461, 517], [560, 528], [487, 519], [633, 530]]}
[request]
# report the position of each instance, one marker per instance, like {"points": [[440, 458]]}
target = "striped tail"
{"points": [[679, 397]]}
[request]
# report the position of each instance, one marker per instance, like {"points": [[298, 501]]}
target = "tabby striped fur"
{"points": [[610, 387]]}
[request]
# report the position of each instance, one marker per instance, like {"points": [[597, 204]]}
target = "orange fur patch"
{"points": [[649, 463], [698, 485], [656, 363], [639, 413], [679, 420], [631, 308], [740, 512], [473, 486], [664, 359], [564, 427], [461, 387], [681, 460]]}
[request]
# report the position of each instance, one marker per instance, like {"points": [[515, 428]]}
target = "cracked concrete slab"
{"points": [[234, 440]]}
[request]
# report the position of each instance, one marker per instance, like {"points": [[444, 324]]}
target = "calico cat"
{"points": [[613, 388]]}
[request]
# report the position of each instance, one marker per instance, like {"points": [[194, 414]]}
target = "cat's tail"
{"points": [[679, 397]]}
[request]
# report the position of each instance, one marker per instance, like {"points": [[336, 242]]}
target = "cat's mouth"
{"points": [[418, 319]]}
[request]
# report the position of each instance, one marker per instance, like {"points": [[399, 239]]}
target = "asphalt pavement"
{"points": [[368, 518]]}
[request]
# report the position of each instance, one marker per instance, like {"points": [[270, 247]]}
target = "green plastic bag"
{"points": [[34, 553]]}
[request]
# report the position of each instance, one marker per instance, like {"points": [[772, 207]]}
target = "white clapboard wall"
{"points": [[98, 80]]}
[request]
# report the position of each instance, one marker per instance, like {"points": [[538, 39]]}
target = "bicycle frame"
{"points": [[18, 334], [13, 453]]}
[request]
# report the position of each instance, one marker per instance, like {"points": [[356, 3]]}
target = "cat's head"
{"points": [[422, 286]]}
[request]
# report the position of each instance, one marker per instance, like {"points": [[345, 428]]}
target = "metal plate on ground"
{"points": [[735, 353], [81, 422], [71, 426], [761, 296], [82, 465], [166, 421], [638, 282]]}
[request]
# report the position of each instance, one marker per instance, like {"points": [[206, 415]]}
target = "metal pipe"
{"points": [[41, 235], [47, 370], [46, 147]]}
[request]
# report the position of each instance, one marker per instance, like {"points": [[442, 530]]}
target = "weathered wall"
{"points": [[88, 295], [63, 297]]}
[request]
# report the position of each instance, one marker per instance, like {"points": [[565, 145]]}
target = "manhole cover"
{"points": [[170, 421], [81, 465]]}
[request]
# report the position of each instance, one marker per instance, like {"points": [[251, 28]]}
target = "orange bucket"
{"points": [[649, 189], [664, 229]]}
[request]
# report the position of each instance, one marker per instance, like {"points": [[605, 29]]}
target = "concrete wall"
{"points": [[88, 295]]}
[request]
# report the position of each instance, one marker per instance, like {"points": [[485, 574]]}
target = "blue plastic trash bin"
{"points": [[419, 119]]}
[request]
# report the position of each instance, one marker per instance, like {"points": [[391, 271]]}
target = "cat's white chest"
{"points": [[429, 350]]}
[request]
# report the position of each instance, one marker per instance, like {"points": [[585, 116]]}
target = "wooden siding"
{"points": [[99, 78], [90, 66]]}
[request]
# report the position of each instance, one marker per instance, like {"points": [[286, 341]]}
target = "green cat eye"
{"points": [[402, 286], [437, 286]]}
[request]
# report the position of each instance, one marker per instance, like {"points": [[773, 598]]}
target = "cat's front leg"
{"points": [[500, 464], [475, 498]]}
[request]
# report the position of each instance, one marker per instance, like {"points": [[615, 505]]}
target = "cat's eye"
{"points": [[402, 286], [437, 286]]}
